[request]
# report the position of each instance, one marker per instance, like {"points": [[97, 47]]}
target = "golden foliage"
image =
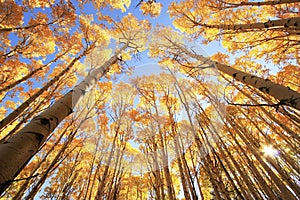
{"points": [[153, 9]]}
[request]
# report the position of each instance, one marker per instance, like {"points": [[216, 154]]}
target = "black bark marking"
{"points": [[54, 118], [262, 88], [266, 25], [45, 121], [252, 77], [244, 77], [255, 82], [234, 75], [286, 24], [38, 136]]}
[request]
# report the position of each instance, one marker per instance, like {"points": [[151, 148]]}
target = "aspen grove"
{"points": [[150, 99]]}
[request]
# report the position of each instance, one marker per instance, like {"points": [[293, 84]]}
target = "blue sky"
{"points": [[162, 19], [146, 65], [144, 60]]}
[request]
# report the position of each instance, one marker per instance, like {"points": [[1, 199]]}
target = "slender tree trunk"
{"points": [[264, 186], [285, 95], [166, 169], [279, 183], [94, 180], [189, 178], [238, 192], [106, 169], [63, 191], [237, 166], [214, 170], [284, 127], [207, 167], [21, 191], [31, 74], [292, 133], [245, 178], [177, 151], [262, 3], [242, 192], [12, 116], [268, 139], [283, 24], [50, 168], [159, 186], [116, 175], [23, 145], [182, 175], [196, 177], [34, 108], [89, 178], [183, 99]]}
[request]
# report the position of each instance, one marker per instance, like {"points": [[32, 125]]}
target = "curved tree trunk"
{"points": [[12, 116], [22, 189], [281, 24], [31, 74], [261, 3], [23, 145], [285, 95], [27, 114]]}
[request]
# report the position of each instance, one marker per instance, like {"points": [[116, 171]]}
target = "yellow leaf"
{"points": [[10, 104]]}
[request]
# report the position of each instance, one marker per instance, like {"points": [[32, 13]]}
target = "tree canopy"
{"points": [[119, 99]]}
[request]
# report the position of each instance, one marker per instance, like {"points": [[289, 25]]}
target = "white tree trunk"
{"points": [[19, 149], [285, 95], [283, 24]]}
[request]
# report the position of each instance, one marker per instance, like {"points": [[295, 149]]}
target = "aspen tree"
{"points": [[23, 145], [31, 74], [170, 104], [259, 31], [166, 45], [23, 188], [284, 127], [12, 116], [35, 189], [227, 4], [285, 192]]}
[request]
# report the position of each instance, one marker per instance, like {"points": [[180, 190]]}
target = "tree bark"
{"points": [[261, 3], [285, 95], [281, 24], [12, 116], [23, 145], [31, 74]]}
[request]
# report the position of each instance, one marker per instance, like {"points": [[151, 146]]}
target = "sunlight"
{"points": [[268, 150]]}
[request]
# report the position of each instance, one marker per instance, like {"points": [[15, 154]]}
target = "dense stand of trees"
{"points": [[203, 128]]}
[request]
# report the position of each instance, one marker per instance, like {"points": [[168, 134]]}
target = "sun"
{"points": [[269, 150]]}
